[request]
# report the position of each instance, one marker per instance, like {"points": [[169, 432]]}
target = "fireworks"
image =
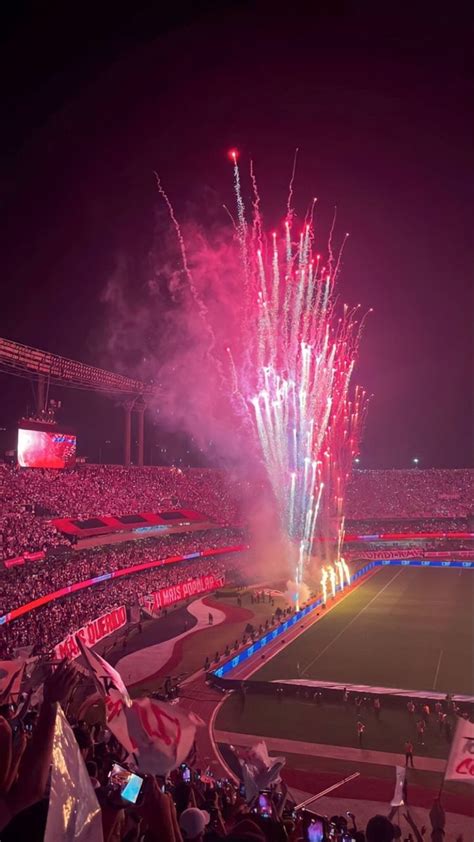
{"points": [[324, 584], [289, 366], [332, 579], [346, 571], [340, 573], [296, 374]]}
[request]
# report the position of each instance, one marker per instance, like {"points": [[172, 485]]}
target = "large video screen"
{"points": [[46, 449]]}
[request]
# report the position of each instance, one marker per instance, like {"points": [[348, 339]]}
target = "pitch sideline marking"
{"points": [[319, 655], [437, 668]]}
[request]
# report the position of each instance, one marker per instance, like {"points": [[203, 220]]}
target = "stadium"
{"points": [[236, 482], [144, 603]]}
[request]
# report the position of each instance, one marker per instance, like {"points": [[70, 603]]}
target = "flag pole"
{"points": [[326, 791]]}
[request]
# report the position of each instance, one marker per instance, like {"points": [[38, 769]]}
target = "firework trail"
{"points": [[290, 365], [296, 375]]}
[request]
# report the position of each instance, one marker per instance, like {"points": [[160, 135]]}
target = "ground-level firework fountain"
{"points": [[289, 366]]}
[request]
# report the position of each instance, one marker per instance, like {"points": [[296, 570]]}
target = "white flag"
{"points": [[111, 687], [460, 765], [158, 735], [106, 678], [259, 770], [161, 734], [74, 812], [398, 795]]}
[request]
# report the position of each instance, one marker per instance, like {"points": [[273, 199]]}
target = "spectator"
{"points": [[409, 753]]}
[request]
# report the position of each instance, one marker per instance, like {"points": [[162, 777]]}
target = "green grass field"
{"points": [[410, 628], [330, 723]]}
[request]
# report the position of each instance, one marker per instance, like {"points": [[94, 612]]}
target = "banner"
{"points": [[460, 765], [12, 562], [184, 590], [37, 556], [413, 552], [92, 633], [380, 554]]}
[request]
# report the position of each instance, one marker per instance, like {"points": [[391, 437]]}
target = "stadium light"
{"points": [[415, 460]]}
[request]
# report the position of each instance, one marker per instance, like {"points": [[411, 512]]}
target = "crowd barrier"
{"points": [[325, 693]]}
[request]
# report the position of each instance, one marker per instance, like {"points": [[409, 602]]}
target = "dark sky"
{"points": [[379, 102]]}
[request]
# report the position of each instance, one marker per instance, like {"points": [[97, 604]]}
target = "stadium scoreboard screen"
{"points": [[45, 446]]}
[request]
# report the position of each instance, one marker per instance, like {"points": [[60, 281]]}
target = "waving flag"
{"points": [[162, 735], [460, 765], [158, 735], [259, 770], [74, 812], [399, 799], [111, 687]]}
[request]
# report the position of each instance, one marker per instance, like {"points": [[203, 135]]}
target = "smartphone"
{"points": [[242, 790], [126, 783], [185, 773], [264, 805], [314, 828]]}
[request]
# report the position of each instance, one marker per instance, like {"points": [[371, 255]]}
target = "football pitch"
{"points": [[407, 628]]}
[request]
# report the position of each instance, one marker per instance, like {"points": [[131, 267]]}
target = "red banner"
{"points": [[11, 562], [91, 634], [383, 554], [175, 593], [20, 559], [411, 553], [35, 556]]}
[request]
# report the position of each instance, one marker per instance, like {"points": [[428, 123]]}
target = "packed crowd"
{"points": [[29, 499], [371, 526], [51, 623], [410, 494], [25, 532], [186, 805], [26, 582], [115, 490]]}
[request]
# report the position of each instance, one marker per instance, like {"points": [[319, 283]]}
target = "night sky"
{"points": [[379, 103]]}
